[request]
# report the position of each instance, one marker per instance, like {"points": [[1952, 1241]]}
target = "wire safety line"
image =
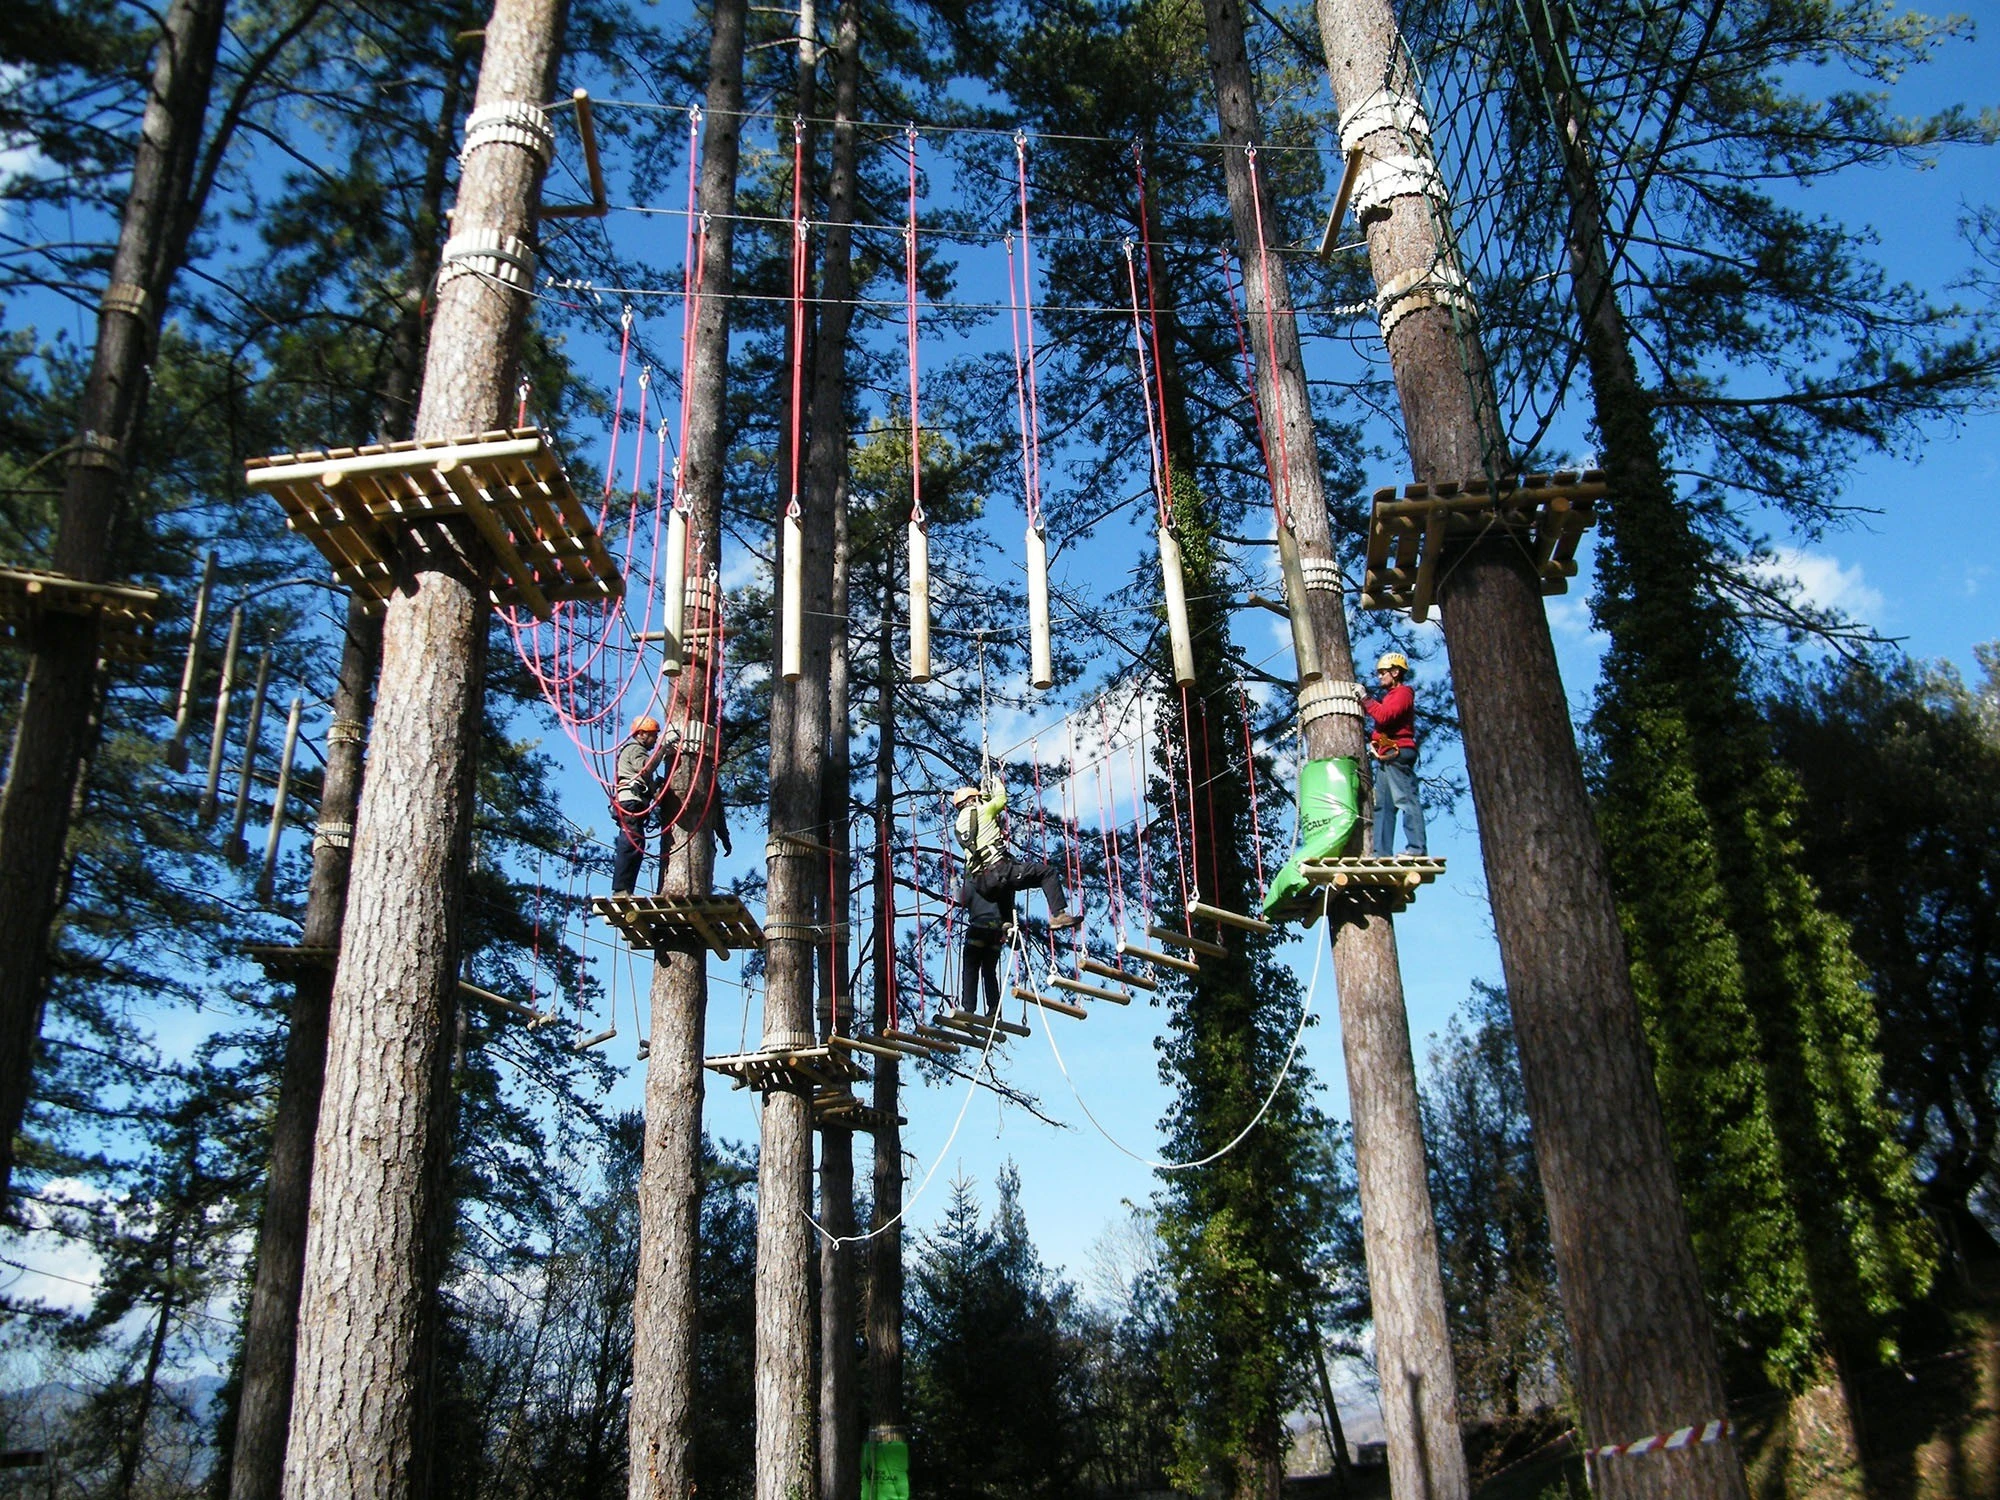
{"points": [[1106, 769], [1284, 1072], [1032, 434], [1153, 326], [971, 1088], [1250, 768], [1278, 507], [1072, 837], [798, 303], [617, 414], [1279, 415], [1153, 450]]}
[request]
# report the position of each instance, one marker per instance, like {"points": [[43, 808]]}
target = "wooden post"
{"points": [[673, 602], [920, 602], [1298, 608], [266, 881], [1174, 584], [176, 752], [1644, 1352], [666, 1368], [1041, 671], [235, 848], [1413, 1349], [218, 740], [376, 1241]]}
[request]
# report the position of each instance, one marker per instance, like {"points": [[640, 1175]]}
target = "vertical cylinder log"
{"points": [[218, 739], [177, 756], [1305, 644], [267, 880], [920, 602], [236, 849], [792, 622], [1041, 670], [673, 608], [1177, 616]]}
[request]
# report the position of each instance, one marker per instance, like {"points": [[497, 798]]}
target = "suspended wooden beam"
{"points": [[218, 740], [597, 1039], [1122, 976], [1179, 939], [1094, 991], [1201, 911], [791, 646], [266, 882], [1041, 668], [920, 602], [673, 604], [236, 849], [1350, 171], [1174, 584], [536, 1019], [177, 756], [1298, 608], [978, 1025], [1049, 1002], [1157, 959], [593, 165]]}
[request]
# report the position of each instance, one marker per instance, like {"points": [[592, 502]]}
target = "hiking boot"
{"points": [[1062, 920]]}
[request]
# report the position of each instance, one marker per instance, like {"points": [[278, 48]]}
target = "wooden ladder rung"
{"points": [[1158, 960], [938, 1037], [979, 1024], [869, 1045], [1049, 1002], [1188, 941], [1201, 911], [1122, 976], [1095, 991]]}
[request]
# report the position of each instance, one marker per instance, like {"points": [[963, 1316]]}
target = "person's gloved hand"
{"points": [[994, 787]]}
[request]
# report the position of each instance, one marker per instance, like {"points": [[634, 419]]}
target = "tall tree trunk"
{"points": [[839, 1411], [666, 1369], [1406, 1288], [1644, 1354], [133, 1448], [53, 736], [883, 1314], [270, 1325], [376, 1239]]}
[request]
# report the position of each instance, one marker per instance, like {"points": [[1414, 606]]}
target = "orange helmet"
{"points": [[645, 724]]}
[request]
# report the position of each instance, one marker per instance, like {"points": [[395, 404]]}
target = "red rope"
{"points": [[1146, 394], [1153, 321], [1270, 336], [798, 301], [1250, 384], [1072, 856], [1250, 767], [1208, 786], [1033, 431], [910, 315], [1020, 390], [617, 414], [1137, 755], [1174, 796], [1107, 818]]}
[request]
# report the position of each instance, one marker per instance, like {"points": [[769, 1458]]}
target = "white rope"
{"points": [[972, 1080], [1305, 1014]]}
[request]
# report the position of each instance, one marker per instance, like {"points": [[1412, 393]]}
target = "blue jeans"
{"points": [[1396, 787]]}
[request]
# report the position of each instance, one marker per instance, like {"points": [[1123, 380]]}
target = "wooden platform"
{"points": [[796, 1069], [124, 612], [838, 1109], [682, 924], [353, 503], [1412, 535], [1360, 888]]}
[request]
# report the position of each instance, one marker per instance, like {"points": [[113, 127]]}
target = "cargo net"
{"points": [[1490, 77]]}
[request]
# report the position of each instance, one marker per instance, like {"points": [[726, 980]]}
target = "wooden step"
{"points": [[1185, 940], [873, 1047], [1096, 992], [1049, 1002], [978, 1024], [1122, 976], [943, 1043], [1157, 959], [1201, 911]]}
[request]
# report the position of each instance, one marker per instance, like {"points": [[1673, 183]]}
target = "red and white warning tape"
{"points": [[1680, 1437]]}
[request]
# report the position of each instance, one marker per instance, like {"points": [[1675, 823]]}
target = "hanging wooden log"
{"points": [[920, 602], [1175, 584], [219, 737], [1305, 644], [177, 755], [266, 882], [673, 608], [792, 623], [236, 849], [598, 1040], [1041, 667]]}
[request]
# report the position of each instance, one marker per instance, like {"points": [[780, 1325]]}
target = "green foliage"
{"points": [[1899, 768], [992, 1370]]}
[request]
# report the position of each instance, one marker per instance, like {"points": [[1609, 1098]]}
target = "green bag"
{"points": [[885, 1471], [1329, 817]]}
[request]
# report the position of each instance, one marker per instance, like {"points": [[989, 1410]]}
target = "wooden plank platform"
{"points": [[353, 504], [797, 1069], [124, 611], [1413, 534], [838, 1109], [1359, 888], [682, 924]]}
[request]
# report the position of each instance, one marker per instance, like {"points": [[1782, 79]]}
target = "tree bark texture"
{"points": [[1644, 1355], [376, 1235], [271, 1323], [270, 1327], [883, 1305], [666, 1369], [53, 736], [1406, 1288], [839, 1407]]}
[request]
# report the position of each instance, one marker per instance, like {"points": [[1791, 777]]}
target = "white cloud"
{"points": [[1823, 581]]}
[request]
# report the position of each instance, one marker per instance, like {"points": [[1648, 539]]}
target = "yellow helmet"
{"points": [[964, 795], [645, 724], [1394, 659]]}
